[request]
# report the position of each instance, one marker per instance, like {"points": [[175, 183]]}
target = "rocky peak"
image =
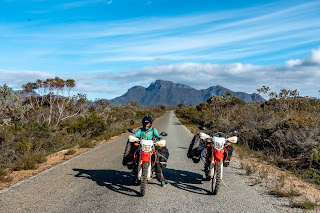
{"points": [[165, 85]]}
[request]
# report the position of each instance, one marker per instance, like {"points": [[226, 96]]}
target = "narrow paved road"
{"points": [[97, 182]]}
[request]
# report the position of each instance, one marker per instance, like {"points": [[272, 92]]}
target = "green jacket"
{"points": [[148, 135]]}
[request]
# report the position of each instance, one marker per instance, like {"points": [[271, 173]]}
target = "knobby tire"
{"points": [[144, 177], [215, 182]]}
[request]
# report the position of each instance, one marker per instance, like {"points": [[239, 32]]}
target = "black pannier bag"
{"points": [[128, 158], [163, 155], [194, 149]]}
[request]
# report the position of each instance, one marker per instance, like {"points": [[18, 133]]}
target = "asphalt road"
{"points": [[96, 181]]}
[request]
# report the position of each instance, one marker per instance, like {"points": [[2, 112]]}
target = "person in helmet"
{"points": [[149, 133]]}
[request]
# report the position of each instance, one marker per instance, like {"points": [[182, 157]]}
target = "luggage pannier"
{"points": [[163, 155]]}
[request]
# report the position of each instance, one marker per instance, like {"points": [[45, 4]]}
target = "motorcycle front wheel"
{"points": [[215, 181], [144, 178]]}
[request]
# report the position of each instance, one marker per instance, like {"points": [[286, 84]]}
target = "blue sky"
{"points": [[109, 46]]}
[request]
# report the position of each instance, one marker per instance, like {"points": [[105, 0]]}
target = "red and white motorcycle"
{"points": [[214, 153], [145, 157]]}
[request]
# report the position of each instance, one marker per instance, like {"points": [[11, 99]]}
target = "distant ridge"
{"points": [[167, 93]]}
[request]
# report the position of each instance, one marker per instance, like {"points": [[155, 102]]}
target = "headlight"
{"points": [[218, 145], [146, 148]]}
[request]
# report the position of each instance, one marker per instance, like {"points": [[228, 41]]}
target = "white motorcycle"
{"points": [[213, 153], [147, 157]]}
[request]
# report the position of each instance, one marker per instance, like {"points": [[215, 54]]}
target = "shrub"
{"points": [[70, 152], [305, 204], [312, 175], [250, 169], [281, 192], [29, 161], [90, 126], [3, 174], [85, 143]]}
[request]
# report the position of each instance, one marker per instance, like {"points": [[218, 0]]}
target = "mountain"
{"points": [[168, 93]]}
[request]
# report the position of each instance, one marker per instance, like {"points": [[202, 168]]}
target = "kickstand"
{"points": [[223, 183]]}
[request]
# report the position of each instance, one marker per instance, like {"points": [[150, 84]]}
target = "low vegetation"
{"points": [[34, 125], [304, 204], [283, 130]]}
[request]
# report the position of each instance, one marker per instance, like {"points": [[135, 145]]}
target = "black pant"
{"points": [[159, 170]]}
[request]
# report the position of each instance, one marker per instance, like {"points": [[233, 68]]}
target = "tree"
{"points": [[263, 90], [54, 92], [11, 108]]}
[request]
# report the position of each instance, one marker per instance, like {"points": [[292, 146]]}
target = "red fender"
{"points": [[218, 155], [145, 156]]}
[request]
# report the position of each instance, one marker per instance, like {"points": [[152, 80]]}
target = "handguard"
{"points": [[133, 139], [203, 136], [161, 143], [233, 139]]}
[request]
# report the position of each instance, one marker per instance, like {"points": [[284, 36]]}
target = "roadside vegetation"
{"points": [[45, 118], [283, 131]]}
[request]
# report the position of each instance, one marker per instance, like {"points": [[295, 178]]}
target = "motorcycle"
{"points": [[214, 154], [145, 157]]}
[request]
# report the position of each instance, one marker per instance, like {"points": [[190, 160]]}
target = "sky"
{"points": [[108, 46]]}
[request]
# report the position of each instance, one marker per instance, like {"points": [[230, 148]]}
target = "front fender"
{"points": [[218, 154], [145, 156]]}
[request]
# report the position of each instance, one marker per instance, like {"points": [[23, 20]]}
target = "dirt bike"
{"points": [[214, 154], [145, 157]]}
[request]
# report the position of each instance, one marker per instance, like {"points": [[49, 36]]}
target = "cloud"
{"points": [[310, 60], [17, 78], [109, 2], [292, 62], [84, 84], [314, 58], [302, 74]]}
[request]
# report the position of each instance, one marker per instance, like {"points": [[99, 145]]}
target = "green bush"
{"points": [[89, 126], [305, 204], [28, 131], [286, 127], [3, 174], [312, 175], [29, 161]]}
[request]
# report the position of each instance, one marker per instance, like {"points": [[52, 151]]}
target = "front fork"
{"points": [[140, 167], [212, 165]]}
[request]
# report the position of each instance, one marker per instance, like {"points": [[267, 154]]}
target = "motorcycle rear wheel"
{"points": [[144, 178], [215, 181]]}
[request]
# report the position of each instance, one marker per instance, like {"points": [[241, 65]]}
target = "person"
{"points": [[149, 133]]}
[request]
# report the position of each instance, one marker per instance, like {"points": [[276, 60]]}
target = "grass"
{"points": [[280, 192], [29, 161], [70, 152], [305, 204], [3, 175], [250, 169], [263, 174], [243, 151], [85, 143], [256, 181], [261, 156]]}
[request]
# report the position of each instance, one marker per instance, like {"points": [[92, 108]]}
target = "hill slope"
{"points": [[168, 93]]}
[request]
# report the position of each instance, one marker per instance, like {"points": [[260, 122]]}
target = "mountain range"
{"points": [[168, 93]]}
